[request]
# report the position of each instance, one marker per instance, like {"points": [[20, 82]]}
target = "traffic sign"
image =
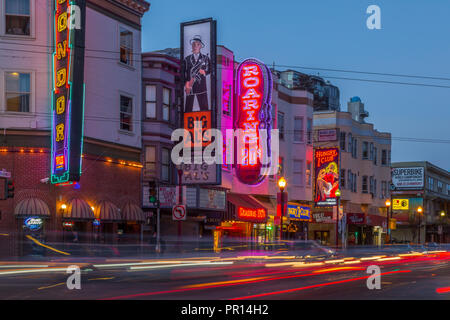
{"points": [[179, 212]]}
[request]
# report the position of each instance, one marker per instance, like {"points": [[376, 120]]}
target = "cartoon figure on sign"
{"points": [[196, 67], [327, 182]]}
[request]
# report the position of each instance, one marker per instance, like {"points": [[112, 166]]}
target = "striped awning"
{"points": [[132, 212], [32, 207], [107, 211], [78, 209]]}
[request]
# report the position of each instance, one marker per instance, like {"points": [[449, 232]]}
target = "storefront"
{"points": [[32, 215], [299, 216], [357, 231], [107, 217], [322, 227], [247, 224]]}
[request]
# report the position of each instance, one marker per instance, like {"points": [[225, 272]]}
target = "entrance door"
{"points": [[323, 237]]}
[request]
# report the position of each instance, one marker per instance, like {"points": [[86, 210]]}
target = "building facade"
{"points": [[100, 208], [414, 185], [364, 175]]}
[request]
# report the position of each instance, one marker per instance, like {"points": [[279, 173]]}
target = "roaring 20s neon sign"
{"points": [[68, 91], [253, 113]]}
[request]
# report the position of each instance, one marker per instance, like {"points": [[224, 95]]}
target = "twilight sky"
{"points": [[333, 34]]}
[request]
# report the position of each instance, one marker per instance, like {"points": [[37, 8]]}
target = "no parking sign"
{"points": [[179, 212]]}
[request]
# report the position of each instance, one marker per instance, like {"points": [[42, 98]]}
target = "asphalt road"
{"points": [[411, 276]]}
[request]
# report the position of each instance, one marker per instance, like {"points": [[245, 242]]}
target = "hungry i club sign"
{"points": [[68, 90]]}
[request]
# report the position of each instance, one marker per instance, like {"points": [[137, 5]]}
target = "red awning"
{"points": [[247, 208], [375, 220], [356, 218]]}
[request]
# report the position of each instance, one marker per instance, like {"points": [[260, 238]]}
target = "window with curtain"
{"points": [[18, 91], [165, 164], [17, 17], [280, 124], [150, 102], [298, 129], [297, 171], [126, 46], [150, 161], [309, 131], [166, 104], [365, 150], [308, 173], [126, 113], [365, 185]]}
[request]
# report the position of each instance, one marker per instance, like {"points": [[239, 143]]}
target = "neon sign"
{"points": [[33, 223], [68, 91], [253, 113], [252, 215]]}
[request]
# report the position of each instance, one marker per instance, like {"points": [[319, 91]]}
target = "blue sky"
{"points": [[333, 34]]}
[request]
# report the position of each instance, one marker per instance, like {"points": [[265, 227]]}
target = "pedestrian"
{"points": [[152, 242]]}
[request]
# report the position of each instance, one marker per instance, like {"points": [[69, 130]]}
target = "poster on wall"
{"points": [[68, 91], [198, 78], [326, 176]]}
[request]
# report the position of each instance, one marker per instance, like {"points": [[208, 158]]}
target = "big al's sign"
{"points": [[326, 169], [253, 113], [68, 91], [258, 215]]}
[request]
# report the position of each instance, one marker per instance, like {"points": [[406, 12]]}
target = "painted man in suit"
{"points": [[196, 67]]}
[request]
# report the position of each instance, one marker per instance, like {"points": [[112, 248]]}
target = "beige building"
{"points": [[365, 155]]}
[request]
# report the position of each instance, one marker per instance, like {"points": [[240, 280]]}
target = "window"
{"points": [[150, 161], [126, 46], [298, 129], [355, 183], [281, 124], [342, 179], [383, 190], [126, 113], [364, 185], [350, 143], [371, 184], [350, 180], [440, 186], [365, 150], [166, 104], [430, 184], [384, 157], [308, 173], [389, 157], [165, 164], [371, 151], [342, 139], [17, 17], [448, 189], [297, 171], [309, 131], [355, 149], [375, 188], [150, 102], [375, 155], [18, 91]]}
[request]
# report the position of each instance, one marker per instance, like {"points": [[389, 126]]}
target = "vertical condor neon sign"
{"points": [[253, 113], [68, 91]]}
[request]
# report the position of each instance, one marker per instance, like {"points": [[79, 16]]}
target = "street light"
{"points": [[388, 206], [442, 213], [420, 211], [282, 184]]}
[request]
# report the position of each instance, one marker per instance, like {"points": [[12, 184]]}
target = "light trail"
{"points": [[312, 286], [181, 265], [45, 246]]}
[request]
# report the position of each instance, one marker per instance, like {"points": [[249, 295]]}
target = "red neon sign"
{"points": [[254, 86], [252, 215]]}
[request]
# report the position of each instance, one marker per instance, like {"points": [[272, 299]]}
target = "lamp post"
{"points": [[441, 235], [388, 212], [420, 211], [338, 202], [282, 184]]}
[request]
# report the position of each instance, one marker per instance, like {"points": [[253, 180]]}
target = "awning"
{"points": [[356, 218], [31, 207], [107, 211], [78, 209], [246, 208], [375, 220], [132, 212], [269, 203]]}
